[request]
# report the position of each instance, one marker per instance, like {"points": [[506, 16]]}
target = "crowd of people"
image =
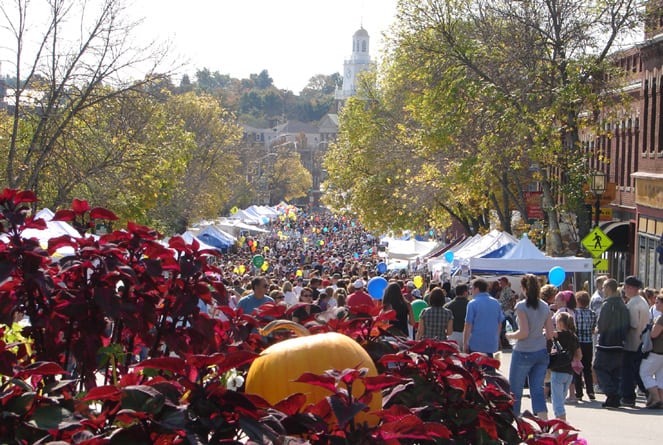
{"points": [[318, 263]]}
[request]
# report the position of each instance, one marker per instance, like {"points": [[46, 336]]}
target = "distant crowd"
{"points": [[565, 344]]}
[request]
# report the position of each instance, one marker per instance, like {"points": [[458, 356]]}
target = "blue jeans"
{"points": [[559, 386], [531, 366]]}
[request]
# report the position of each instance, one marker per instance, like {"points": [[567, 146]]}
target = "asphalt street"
{"points": [[600, 426]]}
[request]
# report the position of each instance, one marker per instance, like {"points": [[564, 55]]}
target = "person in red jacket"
{"points": [[359, 297]]}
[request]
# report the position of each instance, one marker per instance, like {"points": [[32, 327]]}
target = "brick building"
{"points": [[632, 213]]}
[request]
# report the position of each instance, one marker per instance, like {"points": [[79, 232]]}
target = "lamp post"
{"points": [[597, 186]]}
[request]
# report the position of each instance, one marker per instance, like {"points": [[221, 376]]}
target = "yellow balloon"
{"points": [[418, 281], [235, 270], [266, 248], [299, 273], [264, 266], [242, 268]]}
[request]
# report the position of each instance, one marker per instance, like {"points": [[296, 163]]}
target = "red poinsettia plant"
{"points": [[110, 342]]}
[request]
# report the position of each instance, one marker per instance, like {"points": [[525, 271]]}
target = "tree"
{"points": [[205, 184], [66, 72], [488, 90], [546, 61]]}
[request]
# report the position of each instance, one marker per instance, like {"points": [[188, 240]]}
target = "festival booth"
{"points": [[216, 237], [189, 237], [524, 258], [457, 261]]}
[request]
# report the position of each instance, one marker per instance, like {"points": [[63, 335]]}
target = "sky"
{"points": [[292, 39]]}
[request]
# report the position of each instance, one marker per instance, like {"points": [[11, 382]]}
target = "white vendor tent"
{"points": [[486, 245], [408, 249], [526, 258]]}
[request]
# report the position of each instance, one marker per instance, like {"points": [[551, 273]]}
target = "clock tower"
{"points": [[359, 61]]}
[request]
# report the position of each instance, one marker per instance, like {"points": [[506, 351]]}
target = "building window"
{"points": [[648, 268], [363, 46]]}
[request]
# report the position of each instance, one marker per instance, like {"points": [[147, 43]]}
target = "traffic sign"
{"points": [[600, 264], [596, 242]]}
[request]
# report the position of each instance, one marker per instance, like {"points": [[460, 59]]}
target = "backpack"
{"points": [[646, 345]]}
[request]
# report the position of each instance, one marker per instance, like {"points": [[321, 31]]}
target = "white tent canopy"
{"points": [[479, 246], [408, 249], [526, 258]]}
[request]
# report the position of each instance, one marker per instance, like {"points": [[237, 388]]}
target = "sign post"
{"points": [[597, 242]]}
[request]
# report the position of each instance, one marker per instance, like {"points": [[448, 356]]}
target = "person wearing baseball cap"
{"points": [[359, 299]]}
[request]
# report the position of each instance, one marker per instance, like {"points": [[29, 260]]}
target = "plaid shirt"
{"points": [[436, 319], [585, 324]]}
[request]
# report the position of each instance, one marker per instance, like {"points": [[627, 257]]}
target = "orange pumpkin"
{"points": [[271, 375]]}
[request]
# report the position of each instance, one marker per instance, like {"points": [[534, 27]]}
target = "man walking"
{"points": [[458, 307], [253, 301], [638, 310], [483, 321], [612, 325]]}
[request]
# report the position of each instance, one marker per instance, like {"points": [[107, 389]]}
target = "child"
{"points": [[585, 324], [560, 380]]}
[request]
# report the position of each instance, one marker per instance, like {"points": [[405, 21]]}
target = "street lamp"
{"points": [[597, 186]]}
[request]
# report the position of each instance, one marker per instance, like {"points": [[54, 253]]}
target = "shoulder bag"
{"points": [[560, 358]]}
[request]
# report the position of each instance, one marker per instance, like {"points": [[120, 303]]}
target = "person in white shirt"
{"points": [[597, 297], [299, 285], [638, 310]]}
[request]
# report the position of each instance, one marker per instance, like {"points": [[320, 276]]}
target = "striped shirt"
{"points": [[436, 319], [585, 324]]}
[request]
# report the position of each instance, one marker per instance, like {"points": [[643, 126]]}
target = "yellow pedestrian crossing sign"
{"points": [[600, 264], [596, 242]]}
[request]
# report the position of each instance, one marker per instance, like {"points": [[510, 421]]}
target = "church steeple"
{"points": [[359, 61]]}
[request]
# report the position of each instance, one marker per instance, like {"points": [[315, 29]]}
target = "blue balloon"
{"points": [[382, 267], [449, 256], [556, 276], [376, 287]]}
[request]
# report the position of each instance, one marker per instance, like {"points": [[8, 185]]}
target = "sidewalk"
{"points": [[600, 426]]}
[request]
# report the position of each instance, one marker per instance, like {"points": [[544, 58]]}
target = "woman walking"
{"points": [[529, 360]]}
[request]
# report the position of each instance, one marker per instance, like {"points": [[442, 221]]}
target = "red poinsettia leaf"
{"points": [[177, 243], [203, 361], [328, 383], [104, 393], [388, 359], [195, 245], [175, 365], [380, 382], [203, 292], [80, 206], [61, 241], [64, 215], [25, 196], [292, 404], [349, 375], [483, 360], [487, 424], [458, 382], [37, 224], [41, 368], [393, 413], [271, 310], [408, 427], [235, 359], [102, 213], [143, 232], [437, 430]]}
